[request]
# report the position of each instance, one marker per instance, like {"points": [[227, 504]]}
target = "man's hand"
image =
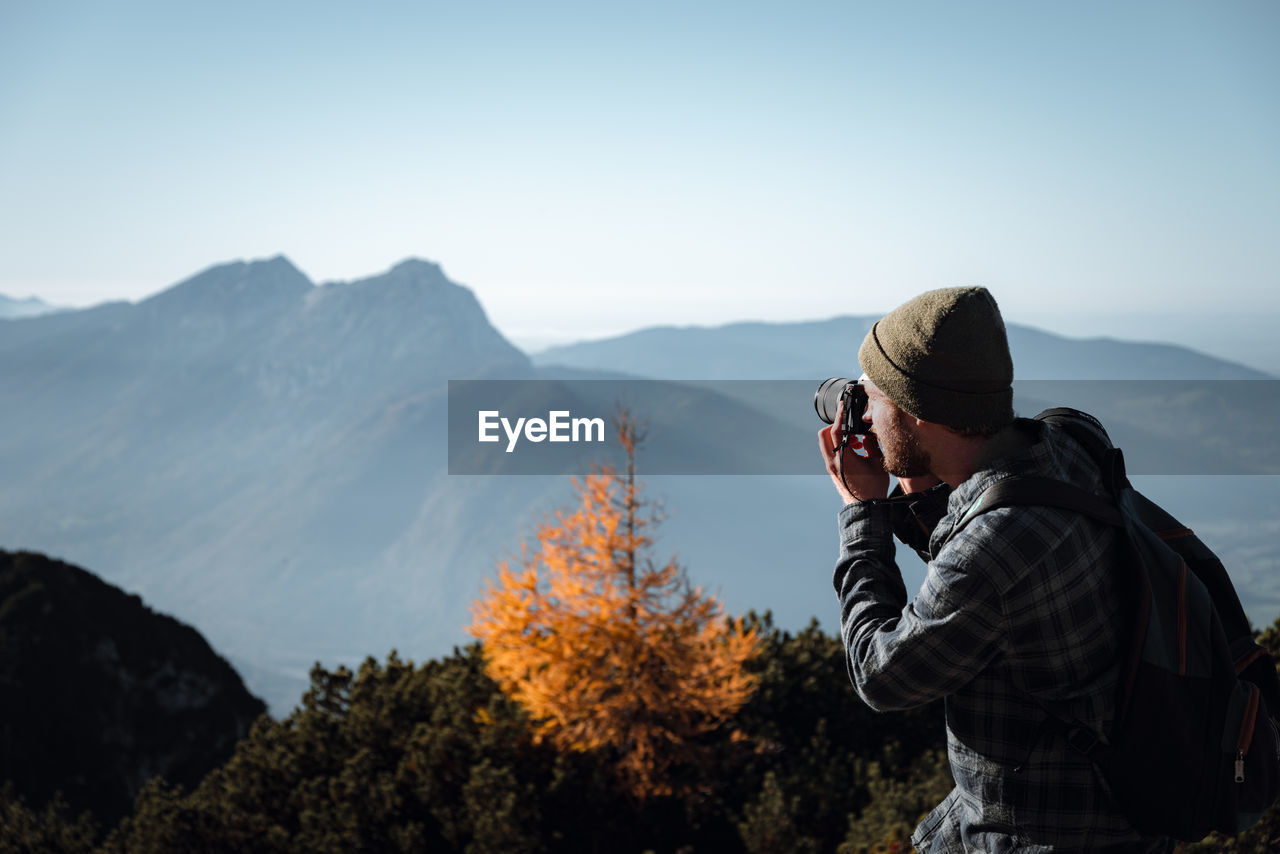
{"points": [[857, 478]]}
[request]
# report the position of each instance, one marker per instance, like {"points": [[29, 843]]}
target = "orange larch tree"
{"points": [[607, 651]]}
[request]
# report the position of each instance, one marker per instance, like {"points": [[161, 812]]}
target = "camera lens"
{"points": [[826, 400]]}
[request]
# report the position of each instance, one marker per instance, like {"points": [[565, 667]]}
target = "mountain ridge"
{"points": [[734, 351], [32, 306]]}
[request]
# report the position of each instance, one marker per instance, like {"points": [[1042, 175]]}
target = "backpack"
{"points": [[1195, 746]]}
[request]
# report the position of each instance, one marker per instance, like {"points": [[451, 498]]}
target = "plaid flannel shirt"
{"points": [[1018, 625]]}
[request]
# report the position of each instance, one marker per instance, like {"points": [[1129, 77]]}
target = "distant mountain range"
{"points": [[769, 351], [266, 458], [29, 307]]}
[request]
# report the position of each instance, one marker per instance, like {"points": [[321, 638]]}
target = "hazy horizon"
{"points": [[1246, 337], [593, 169]]}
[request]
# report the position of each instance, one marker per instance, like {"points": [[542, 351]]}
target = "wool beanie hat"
{"points": [[944, 357]]}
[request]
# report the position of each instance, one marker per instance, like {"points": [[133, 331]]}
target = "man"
{"points": [[1018, 624]]}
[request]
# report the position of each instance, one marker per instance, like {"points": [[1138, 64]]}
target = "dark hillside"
{"points": [[99, 694]]}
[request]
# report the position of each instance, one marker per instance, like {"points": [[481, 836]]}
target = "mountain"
{"points": [[29, 307], [262, 456], [817, 349], [269, 459], [102, 693]]}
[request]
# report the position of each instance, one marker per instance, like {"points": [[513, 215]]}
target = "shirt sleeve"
{"points": [[901, 654]]}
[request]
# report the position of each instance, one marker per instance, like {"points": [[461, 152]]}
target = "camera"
{"points": [[827, 399]]}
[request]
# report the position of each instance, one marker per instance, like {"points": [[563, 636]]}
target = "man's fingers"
{"points": [[824, 442]]}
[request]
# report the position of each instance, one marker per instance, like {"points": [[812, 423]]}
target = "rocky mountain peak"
{"points": [[420, 269], [233, 287], [411, 312]]}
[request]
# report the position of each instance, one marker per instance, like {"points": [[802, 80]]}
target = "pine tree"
{"points": [[607, 651]]}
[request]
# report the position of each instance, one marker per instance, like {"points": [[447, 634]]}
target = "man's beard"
{"points": [[903, 454]]}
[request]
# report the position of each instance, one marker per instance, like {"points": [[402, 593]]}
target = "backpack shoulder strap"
{"points": [[1042, 492]]}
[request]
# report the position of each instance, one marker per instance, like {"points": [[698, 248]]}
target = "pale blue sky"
{"points": [[589, 168]]}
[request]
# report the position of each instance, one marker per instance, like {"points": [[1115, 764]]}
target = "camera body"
{"points": [[831, 393]]}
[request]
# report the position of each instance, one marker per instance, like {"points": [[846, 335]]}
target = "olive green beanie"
{"points": [[944, 357]]}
